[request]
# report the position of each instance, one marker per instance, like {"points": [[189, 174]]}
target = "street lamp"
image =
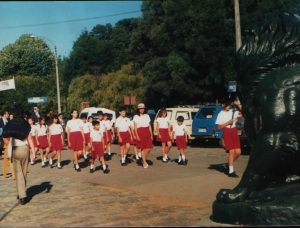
{"points": [[56, 71]]}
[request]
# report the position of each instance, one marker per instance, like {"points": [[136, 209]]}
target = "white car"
{"points": [[188, 113], [92, 111]]}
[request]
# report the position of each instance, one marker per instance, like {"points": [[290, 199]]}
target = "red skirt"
{"points": [[164, 135], [125, 136], [43, 142], [98, 149], [56, 142], [180, 142], [145, 138], [76, 141], [34, 141], [109, 136], [231, 138], [87, 138]]}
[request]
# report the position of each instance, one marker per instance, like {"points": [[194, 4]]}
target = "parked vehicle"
{"points": [[92, 111], [188, 112], [204, 126]]}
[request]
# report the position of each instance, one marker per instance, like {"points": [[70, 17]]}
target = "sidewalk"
{"points": [[162, 195]]}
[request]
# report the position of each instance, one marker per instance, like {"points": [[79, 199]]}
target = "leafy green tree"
{"points": [[82, 89], [115, 85], [16, 101], [27, 56]]}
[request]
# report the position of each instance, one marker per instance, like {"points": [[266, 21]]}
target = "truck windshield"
{"points": [[206, 113]]}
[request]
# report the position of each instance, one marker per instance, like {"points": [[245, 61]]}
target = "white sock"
{"points": [[50, 161], [92, 166], [179, 159], [58, 164], [45, 159], [43, 163], [85, 155], [109, 153], [77, 166], [231, 170], [137, 156], [140, 154], [183, 157], [104, 167], [166, 156], [123, 159]]}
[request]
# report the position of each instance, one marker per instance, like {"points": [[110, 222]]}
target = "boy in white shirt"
{"points": [[179, 131]]}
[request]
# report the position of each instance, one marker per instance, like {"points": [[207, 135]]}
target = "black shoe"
{"points": [[233, 174], [22, 201], [92, 170], [43, 166], [184, 162], [149, 162], [78, 170], [59, 167], [165, 161], [123, 163], [139, 162], [180, 163], [52, 166], [106, 171]]}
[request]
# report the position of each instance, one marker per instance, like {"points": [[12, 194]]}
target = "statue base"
{"points": [[271, 206]]}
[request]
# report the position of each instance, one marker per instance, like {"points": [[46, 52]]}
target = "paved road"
{"points": [[162, 195]]}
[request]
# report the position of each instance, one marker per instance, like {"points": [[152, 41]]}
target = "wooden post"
{"points": [[238, 36]]}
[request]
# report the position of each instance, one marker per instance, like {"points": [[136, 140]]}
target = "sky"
{"points": [[41, 20]]}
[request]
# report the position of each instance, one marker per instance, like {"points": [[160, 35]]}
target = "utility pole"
{"points": [[238, 37]]}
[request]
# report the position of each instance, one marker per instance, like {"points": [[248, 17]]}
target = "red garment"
{"points": [[87, 138], [145, 138], [98, 149], [231, 138], [109, 136], [43, 142], [164, 135], [76, 141], [56, 142], [181, 142], [125, 136]]}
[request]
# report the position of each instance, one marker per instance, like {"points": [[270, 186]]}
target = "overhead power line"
{"points": [[67, 21]]}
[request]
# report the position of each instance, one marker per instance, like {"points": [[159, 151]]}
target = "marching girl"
{"points": [[55, 139], [76, 139], [124, 134], [109, 134], [164, 134], [35, 148], [143, 132], [179, 131], [86, 131], [134, 142], [96, 140], [41, 136], [100, 117]]}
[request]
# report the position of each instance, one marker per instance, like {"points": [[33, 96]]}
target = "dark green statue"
{"points": [[268, 67]]}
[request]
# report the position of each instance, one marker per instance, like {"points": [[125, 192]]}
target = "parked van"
{"points": [[92, 111], [188, 113]]}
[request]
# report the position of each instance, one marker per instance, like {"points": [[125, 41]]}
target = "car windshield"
{"points": [[206, 113]]}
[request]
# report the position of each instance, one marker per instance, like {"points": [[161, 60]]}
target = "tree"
{"points": [[27, 56], [15, 101]]}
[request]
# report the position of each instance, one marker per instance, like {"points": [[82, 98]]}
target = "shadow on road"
{"points": [[65, 162], [222, 167], [37, 189]]}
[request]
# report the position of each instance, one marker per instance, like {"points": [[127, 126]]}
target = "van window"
{"points": [[193, 114], [206, 113], [185, 115]]}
